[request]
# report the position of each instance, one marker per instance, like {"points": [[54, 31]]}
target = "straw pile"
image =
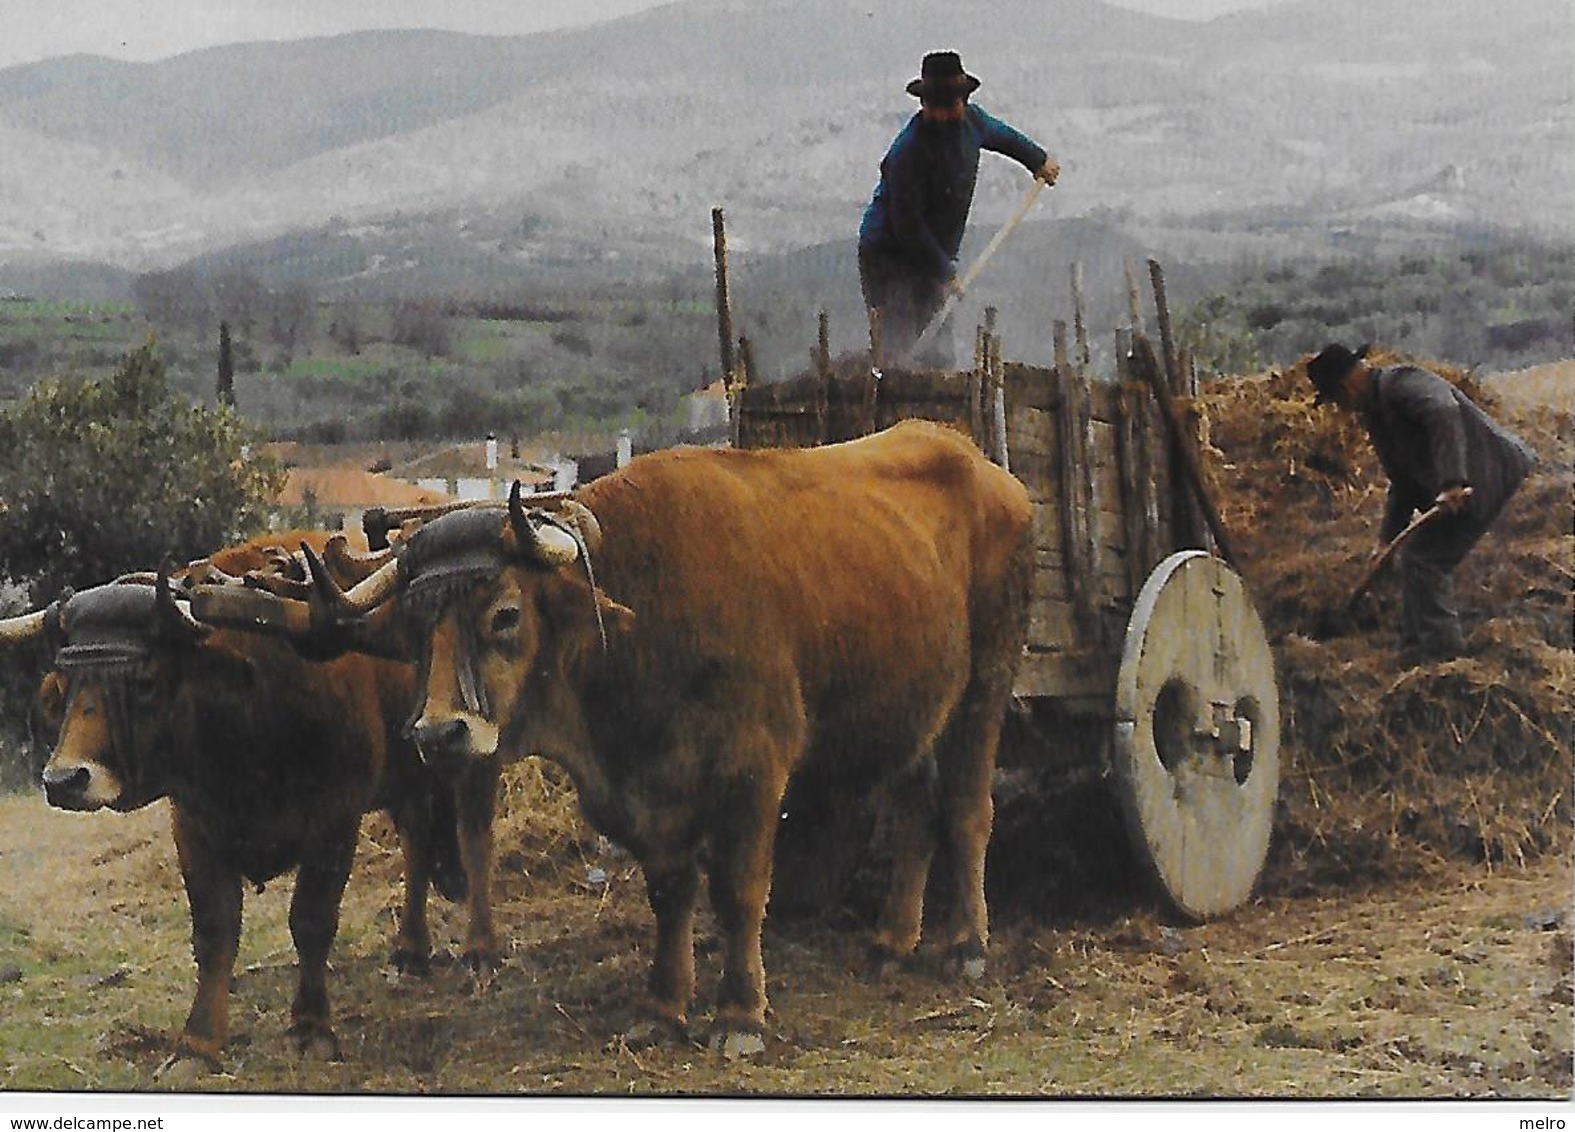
{"points": [[1386, 765]]}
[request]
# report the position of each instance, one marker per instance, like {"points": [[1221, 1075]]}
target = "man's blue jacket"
{"points": [[920, 207]]}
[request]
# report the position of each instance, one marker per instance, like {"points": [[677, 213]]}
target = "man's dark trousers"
{"points": [[1429, 622], [907, 301]]}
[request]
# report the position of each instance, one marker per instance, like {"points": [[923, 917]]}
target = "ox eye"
{"points": [[505, 620]]}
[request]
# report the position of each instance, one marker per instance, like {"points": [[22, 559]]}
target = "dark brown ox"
{"points": [[473, 785], [269, 762], [859, 607]]}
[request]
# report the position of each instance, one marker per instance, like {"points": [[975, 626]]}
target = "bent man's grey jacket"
{"points": [[1430, 436]]}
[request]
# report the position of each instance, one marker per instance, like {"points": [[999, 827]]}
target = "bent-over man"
{"points": [[1435, 443]]}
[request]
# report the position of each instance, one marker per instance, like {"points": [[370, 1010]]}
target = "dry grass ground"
{"points": [[1454, 984]]}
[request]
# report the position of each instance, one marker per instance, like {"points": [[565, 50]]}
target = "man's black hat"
{"points": [[941, 75], [1329, 368]]}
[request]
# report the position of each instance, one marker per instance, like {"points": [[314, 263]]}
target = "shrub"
{"points": [[101, 477]]}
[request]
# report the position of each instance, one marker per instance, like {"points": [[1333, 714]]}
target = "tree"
{"points": [[239, 297], [226, 391], [345, 326], [173, 298], [292, 311], [102, 477], [1211, 331], [422, 324]]}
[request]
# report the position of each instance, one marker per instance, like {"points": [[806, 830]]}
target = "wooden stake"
{"points": [[1075, 519], [1002, 453], [823, 346], [746, 363], [724, 310], [1181, 441], [736, 389], [1079, 326], [1167, 340], [1134, 300]]}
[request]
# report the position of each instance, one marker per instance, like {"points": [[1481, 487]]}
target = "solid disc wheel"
{"points": [[1198, 733]]}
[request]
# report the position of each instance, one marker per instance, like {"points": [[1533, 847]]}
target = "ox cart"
{"points": [[1143, 645]]}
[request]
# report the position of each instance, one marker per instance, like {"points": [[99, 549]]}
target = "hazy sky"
{"points": [[154, 29]]}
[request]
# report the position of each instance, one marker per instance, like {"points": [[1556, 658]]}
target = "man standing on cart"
{"points": [[914, 224]]}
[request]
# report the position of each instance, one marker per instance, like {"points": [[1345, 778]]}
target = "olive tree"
{"points": [[101, 477]]}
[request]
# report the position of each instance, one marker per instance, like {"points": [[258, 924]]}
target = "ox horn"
{"points": [[25, 627], [346, 563], [170, 611], [546, 545], [361, 598]]}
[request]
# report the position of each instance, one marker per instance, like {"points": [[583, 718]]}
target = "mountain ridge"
{"points": [[624, 134]]}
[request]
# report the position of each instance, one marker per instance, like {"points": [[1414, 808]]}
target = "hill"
{"points": [[567, 148]]}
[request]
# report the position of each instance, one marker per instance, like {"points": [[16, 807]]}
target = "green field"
{"points": [[610, 356]]}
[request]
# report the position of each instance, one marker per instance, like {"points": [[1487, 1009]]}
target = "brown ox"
{"points": [[269, 762], [860, 606], [476, 783]]}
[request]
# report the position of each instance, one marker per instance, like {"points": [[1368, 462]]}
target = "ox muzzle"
{"points": [[450, 743], [79, 775], [75, 786]]}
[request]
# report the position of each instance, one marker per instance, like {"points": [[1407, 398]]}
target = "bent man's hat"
{"points": [[1329, 368]]}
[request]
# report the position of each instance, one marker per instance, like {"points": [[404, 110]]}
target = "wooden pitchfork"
{"points": [[978, 265], [1376, 566]]}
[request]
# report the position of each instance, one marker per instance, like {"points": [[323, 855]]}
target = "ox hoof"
{"points": [[882, 963], [451, 883], [184, 1069], [735, 1042], [407, 961], [967, 962], [649, 1033], [315, 1042], [483, 969]]}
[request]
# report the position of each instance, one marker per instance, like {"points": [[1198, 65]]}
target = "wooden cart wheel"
{"points": [[1198, 733]]}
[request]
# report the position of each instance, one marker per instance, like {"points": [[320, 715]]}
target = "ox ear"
{"points": [[47, 710], [577, 605], [618, 618], [580, 516]]}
